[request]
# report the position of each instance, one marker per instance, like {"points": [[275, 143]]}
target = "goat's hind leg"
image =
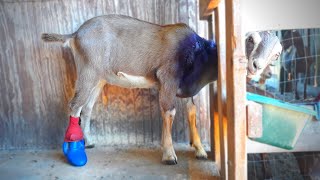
{"points": [[85, 84], [86, 113], [194, 135]]}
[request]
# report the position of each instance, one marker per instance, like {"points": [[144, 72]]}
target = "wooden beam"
{"points": [[220, 120], [203, 5], [214, 127], [214, 124], [236, 93], [254, 119], [206, 8]]}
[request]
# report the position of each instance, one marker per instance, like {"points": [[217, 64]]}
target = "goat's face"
{"points": [[201, 71], [262, 48]]}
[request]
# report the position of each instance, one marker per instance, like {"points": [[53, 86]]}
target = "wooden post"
{"points": [[214, 126], [206, 7], [221, 122], [236, 93], [229, 123], [214, 121]]}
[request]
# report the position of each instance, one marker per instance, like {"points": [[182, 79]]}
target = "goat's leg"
{"points": [[166, 99], [194, 135], [86, 114], [85, 84], [169, 156]]}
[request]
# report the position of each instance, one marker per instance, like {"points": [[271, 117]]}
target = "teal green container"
{"points": [[282, 122]]}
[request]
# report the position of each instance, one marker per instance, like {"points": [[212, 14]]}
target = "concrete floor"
{"points": [[105, 163]]}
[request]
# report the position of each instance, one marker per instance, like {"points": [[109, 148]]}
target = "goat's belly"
{"points": [[129, 81]]}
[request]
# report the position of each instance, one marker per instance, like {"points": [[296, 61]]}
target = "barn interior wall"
{"points": [[37, 79]]}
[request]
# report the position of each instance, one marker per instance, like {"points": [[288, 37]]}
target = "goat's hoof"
{"points": [[170, 162], [170, 159], [90, 146], [202, 157], [201, 154]]}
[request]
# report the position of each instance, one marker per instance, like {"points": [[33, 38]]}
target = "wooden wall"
{"points": [[37, 79]]}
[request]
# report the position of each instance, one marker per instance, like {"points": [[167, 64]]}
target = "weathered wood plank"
{"points": [[220, 20], [203, 8], [213, 102], [254, 119], [207, 7], [236, 93]]}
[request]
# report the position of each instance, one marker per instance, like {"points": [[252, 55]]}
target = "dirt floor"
{"points": [[105, 163]]}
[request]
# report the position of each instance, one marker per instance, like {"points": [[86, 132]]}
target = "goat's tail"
{"points": [[55, 37]]}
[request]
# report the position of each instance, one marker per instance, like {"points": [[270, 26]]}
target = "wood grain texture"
{"points": [[236, 94], [37, 79], [220, 117]]}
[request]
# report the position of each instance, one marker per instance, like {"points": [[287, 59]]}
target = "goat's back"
{"points": [[120, 43]]}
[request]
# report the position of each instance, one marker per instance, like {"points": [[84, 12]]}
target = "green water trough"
{"points": [[283, 122]]}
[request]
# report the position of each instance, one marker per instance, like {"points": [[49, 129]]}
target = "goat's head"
{"points": [[262, 48], [201, 68]]}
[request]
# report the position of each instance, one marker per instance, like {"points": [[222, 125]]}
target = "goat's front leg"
{"points": [[194, 135], [166, 98], [169, 156]]}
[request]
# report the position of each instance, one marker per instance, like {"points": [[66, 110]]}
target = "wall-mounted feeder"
{"points": [[283, 122]]}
